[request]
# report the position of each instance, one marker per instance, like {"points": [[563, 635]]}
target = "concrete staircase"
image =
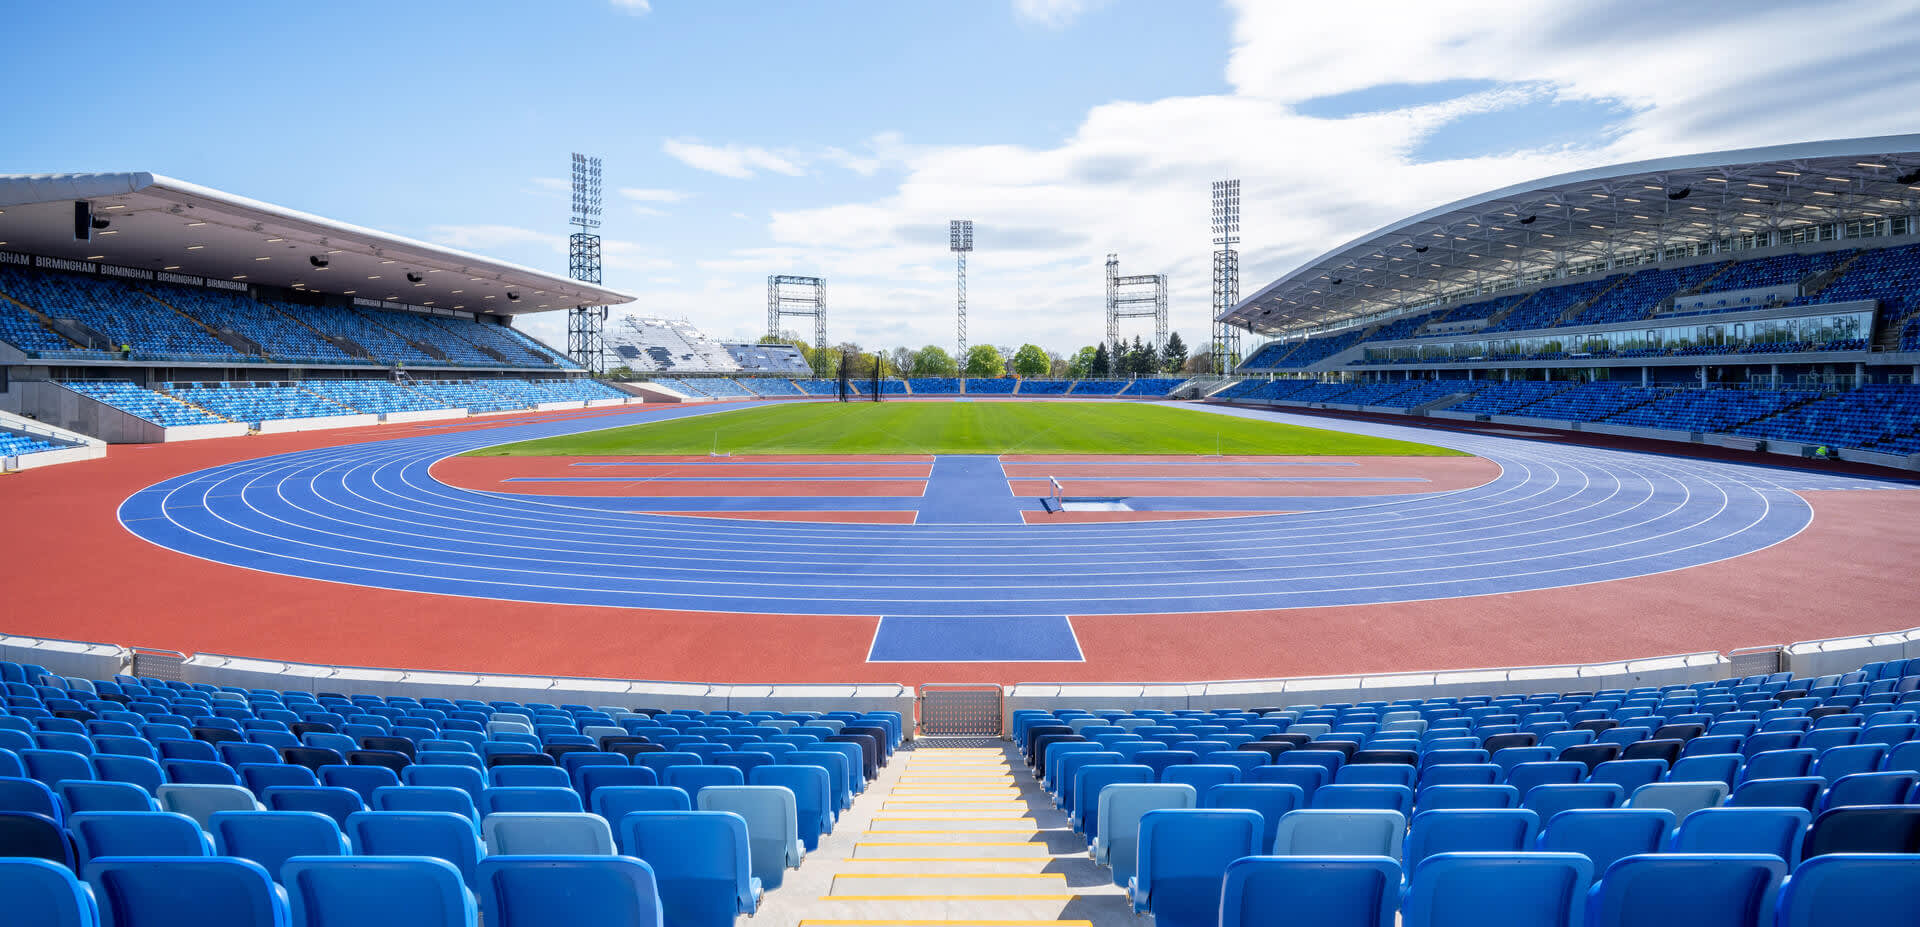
{"points": [[950, 837]]}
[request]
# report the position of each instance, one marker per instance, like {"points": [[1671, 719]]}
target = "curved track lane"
{"points": [[371, 514]]}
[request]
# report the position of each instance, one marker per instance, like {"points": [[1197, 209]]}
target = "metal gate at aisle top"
{"points": [[960, 710]]}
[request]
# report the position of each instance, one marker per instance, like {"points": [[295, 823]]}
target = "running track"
{"points": [[370, 514]]}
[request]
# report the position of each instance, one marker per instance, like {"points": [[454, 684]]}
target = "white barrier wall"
{"points": [[49, 458], [567, 404], [600, 403], [317, 423], [202, 432], [423, 415]]}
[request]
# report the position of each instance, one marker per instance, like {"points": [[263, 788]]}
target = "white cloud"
{"points": [[1053, 14], [633, 7], [737, 161], [646, 195]]}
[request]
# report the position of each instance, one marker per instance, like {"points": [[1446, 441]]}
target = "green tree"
{"points": [[1174, 355], [1056, 366], [899, 362], [933, 361], [1101, 367], [984, 360], [1082, 363], [859, 363], [1030, 361]]}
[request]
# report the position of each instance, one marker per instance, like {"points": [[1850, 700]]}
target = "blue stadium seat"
{"points": [[1436, 797], [1460, 830], [1182, 859], [377, 892], [438, 834], [80, 795], [1604, 835], [164, 892], [1686, 889], [1497, 890], [1270, 800], [1776, 831], [538, 891], [270, 838], [43, 894], [813, 797], [136, 833], [530, 800], [1846, 889], [701, 864], [31, 796], [1332, 891], [1798, 792]]}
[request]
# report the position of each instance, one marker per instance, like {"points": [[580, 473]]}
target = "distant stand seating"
{"points": [[174, 404]]}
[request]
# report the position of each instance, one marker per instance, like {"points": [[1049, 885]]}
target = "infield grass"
{"points": [[964, 428]]}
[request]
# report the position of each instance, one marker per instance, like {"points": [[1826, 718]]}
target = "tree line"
{"points": [[1124, 360]]}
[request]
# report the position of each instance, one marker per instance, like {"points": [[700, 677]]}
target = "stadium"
{"points": [[1544, 557]]}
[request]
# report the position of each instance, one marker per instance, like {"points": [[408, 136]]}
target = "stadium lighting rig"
{"points": [[960, 241], [1226, 273], [586, 325]]}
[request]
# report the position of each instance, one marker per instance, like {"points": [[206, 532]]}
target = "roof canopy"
{"points": [[158, 223], [1610, 216]]}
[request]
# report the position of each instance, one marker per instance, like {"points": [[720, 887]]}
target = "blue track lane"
{"points": [[370, 514]]}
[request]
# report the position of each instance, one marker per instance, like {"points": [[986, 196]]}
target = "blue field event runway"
{"points": [[370, 514]]}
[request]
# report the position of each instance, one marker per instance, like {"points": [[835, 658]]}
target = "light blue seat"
{"points": [[1326, 891], [424, 798], [98, 795], [513, 800], [694, 779], [541, 891], [812, 794], [1681, 798], [1120, 809], [1849, 889], [270, 838], [559, 834], [1509, 830], [200, 802], [1182, 859], [1436, 797], [1497, 890], [1686, 890], [773, 828], [701, 862], [136, 833], [442, 835], [45, 894], [403, 891], [144, 891], [1270, 799], [1341, 833], [1778, 831], [1607, 834]]}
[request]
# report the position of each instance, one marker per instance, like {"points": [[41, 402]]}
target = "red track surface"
{"points": [[71, 571]]}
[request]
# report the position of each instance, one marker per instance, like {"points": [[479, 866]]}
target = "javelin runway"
{"points": [[371, 514]]}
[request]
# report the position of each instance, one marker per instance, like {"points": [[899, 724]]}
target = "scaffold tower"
{"points": [[1139, 296], [797, 296]]}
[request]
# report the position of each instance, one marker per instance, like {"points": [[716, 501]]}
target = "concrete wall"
{"points": [[202, 432], [566, 404], [317, 423], [63, 408], [423, 415], [93, 451]]}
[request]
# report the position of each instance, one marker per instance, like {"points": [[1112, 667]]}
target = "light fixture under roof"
{"points": [[96, 257], [195, 225]]}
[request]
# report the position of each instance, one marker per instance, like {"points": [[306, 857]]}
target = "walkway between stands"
{"points": [[950, 837]]}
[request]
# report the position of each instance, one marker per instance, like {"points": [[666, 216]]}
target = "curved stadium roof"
{"points": [[1625, 213], [159, 223]]}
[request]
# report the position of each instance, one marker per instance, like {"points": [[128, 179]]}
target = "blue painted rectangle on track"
{"points": [[981, 639]]}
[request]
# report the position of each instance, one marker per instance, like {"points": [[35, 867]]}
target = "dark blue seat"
{"points": [[594, 776], [1182, 859], [700, 862], [136, 833], [1497, 890], [34, 836], [538, 891], [1864, 829], [384, 892], [1686, 890], [270, 838], [1329, 891], [43, 894], [1847, 889], [157, 892]]}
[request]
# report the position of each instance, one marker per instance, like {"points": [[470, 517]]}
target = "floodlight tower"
{"points": [[960, 241], [1226, 273], [586, 325]]}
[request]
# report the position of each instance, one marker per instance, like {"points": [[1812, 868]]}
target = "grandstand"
{"points": [[1728, 333]]}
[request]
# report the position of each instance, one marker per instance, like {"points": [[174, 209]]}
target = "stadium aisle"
{"points": [[951, 837]]}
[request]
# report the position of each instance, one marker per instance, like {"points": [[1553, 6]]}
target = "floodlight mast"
{"points": [[586, 325], [960, 241], [1226, 273]]}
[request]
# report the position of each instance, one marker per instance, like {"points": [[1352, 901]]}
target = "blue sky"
{"points": [[835, 138]]}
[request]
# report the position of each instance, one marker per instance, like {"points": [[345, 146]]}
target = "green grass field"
{"points": [[963, 428]]}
